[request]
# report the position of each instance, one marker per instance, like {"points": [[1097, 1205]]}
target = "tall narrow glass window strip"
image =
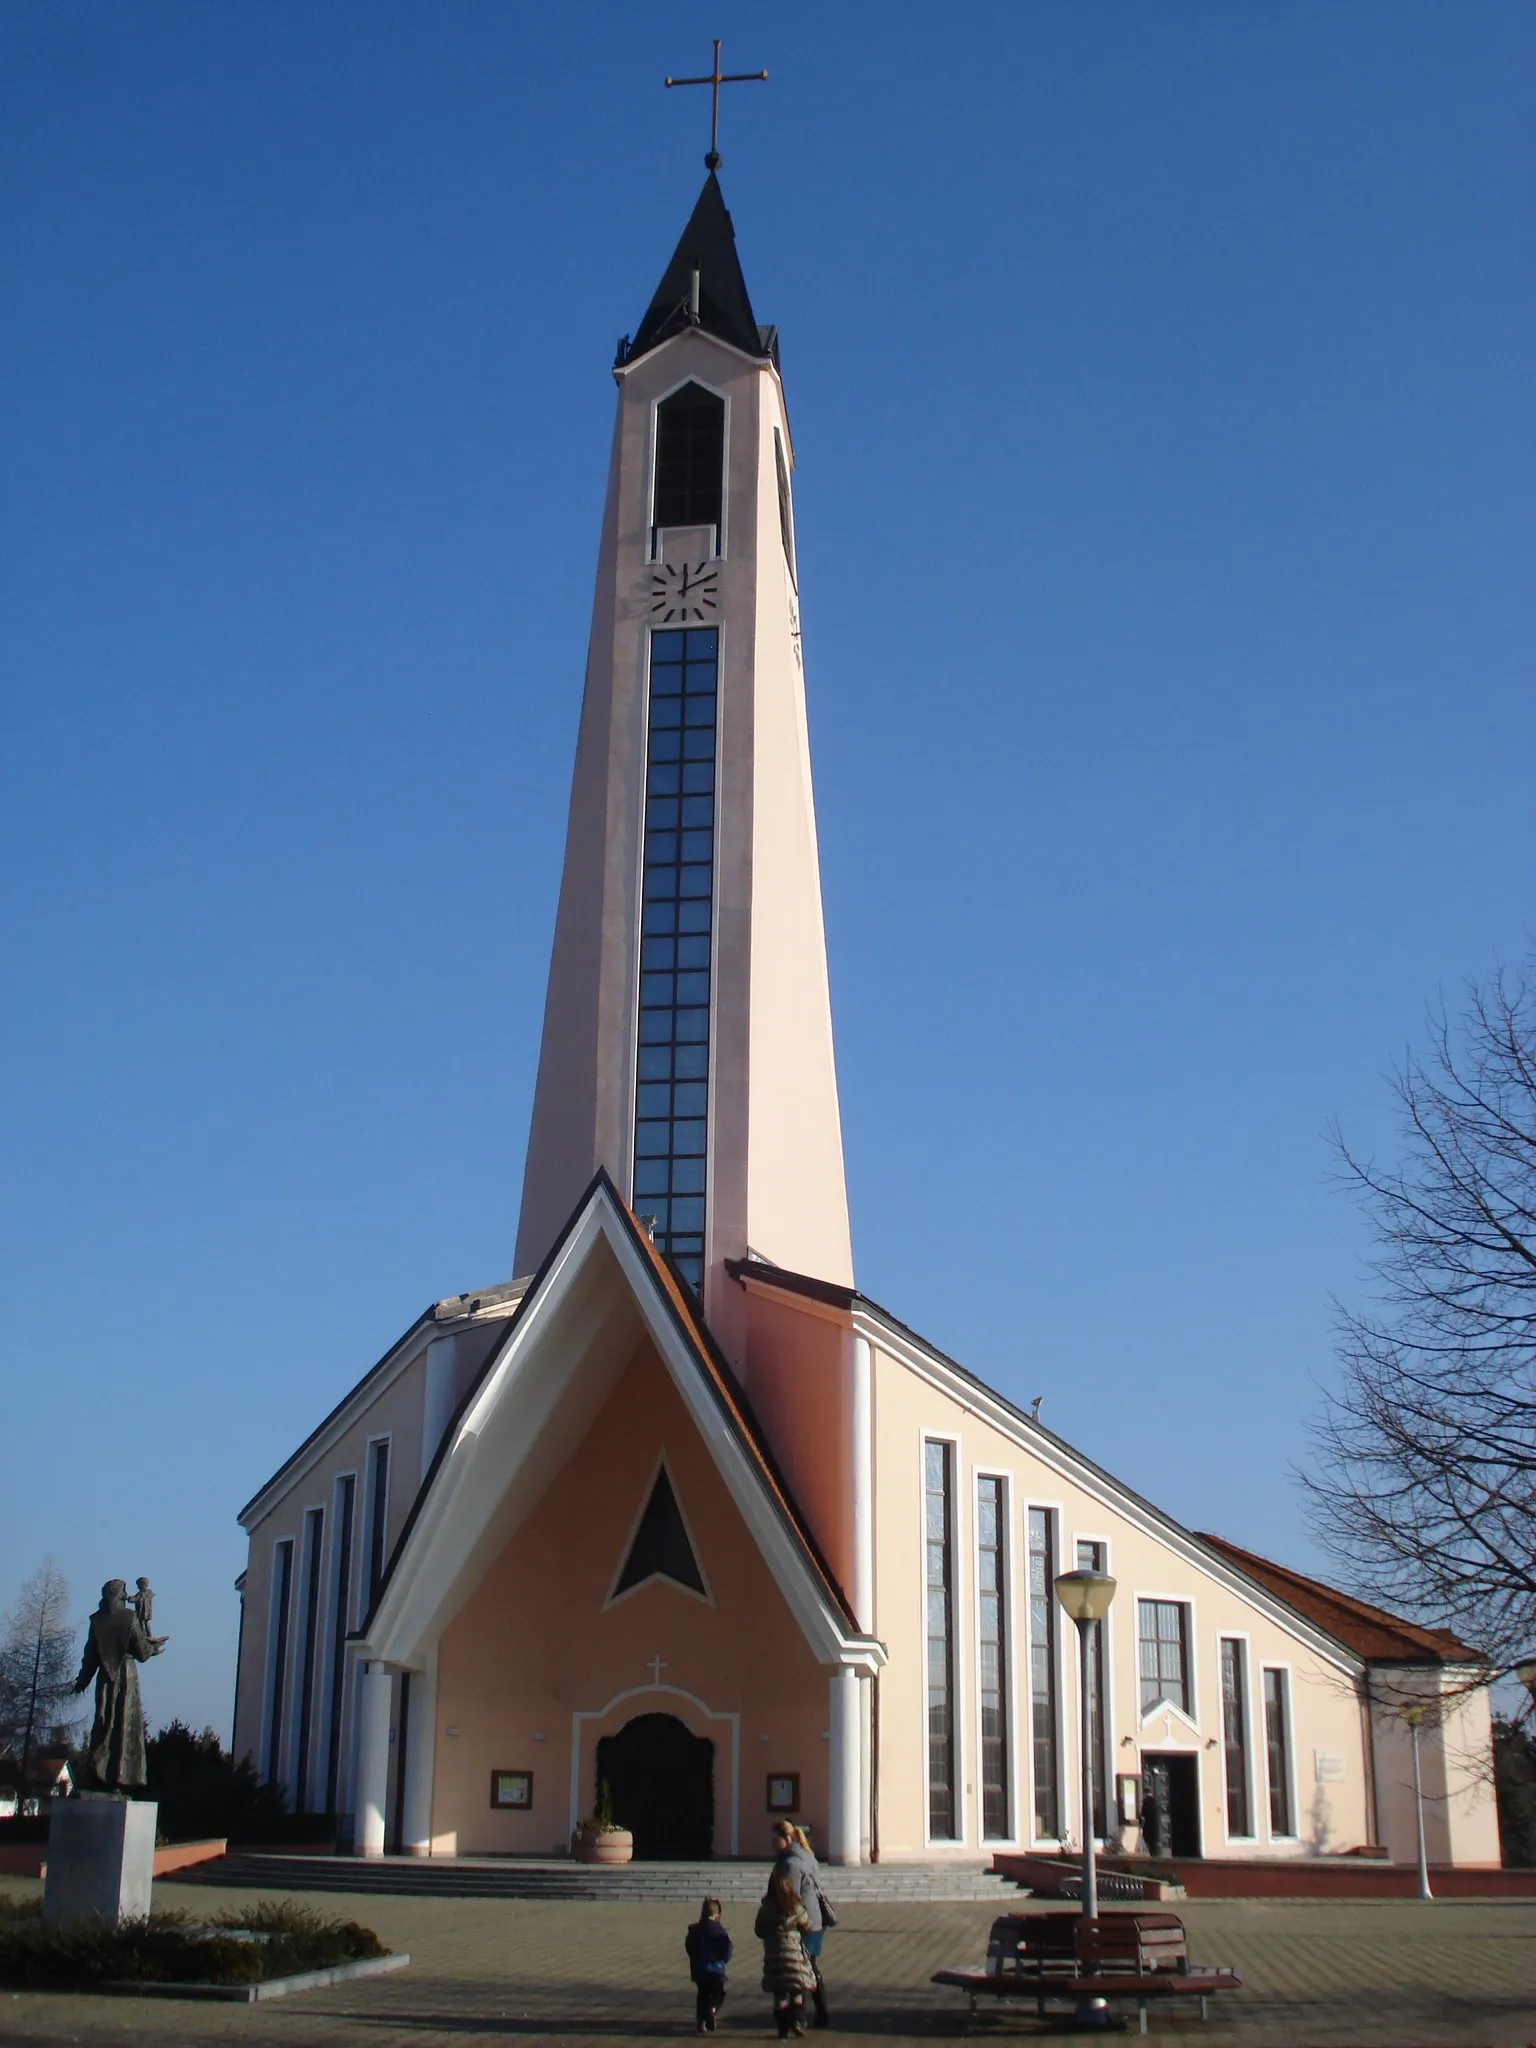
{"points": [[341, 1600], [282, 1597], [1042, 1673], [1162, 1632], [378, 1515], [314, 1562], [938, 1524], [672, 1059], [786, 522], [1090, 1558], [1276, 1753], [992, 1590], [1234, 1733]]}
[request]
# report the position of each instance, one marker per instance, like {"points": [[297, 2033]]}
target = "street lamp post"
{"points": [[1414, 1714], [1085, 1597]]}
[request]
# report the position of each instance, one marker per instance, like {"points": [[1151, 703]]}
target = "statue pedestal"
{"points": [[101, 1860]]}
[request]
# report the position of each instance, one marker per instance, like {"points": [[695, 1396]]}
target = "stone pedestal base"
{"points": [[101, 1860]]}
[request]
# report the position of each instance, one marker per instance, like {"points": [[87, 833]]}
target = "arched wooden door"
{"points": [[661, 1779]]}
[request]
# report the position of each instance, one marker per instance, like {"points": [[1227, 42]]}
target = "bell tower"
{"points": [[687, 1041]]}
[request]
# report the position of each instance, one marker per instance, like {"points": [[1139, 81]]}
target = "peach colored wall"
{"points": [[1455, 1758], [1324, 1705], [396, 1413], [797, 1202], [537, 1644], [797, 1381]]}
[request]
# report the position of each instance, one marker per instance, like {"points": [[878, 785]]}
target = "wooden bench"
{"points": [[1129, 1957]]}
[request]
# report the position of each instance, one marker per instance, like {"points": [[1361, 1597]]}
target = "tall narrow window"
{"points": [[1090, 1558], [282, 1595], [938, 1523], [1277, 1753], [1042, 1672], [672, 1061], [786, 523], [378, 1514], [1234, 1733], [314, 1548], [341, 1598], [690, 459], [1162, 1628], [992, 1587], [239, 1645]]}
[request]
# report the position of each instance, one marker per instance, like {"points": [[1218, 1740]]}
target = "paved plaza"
{"points": [[1356, 1974]]}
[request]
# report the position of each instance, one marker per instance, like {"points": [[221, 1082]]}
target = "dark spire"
{"points": [[708, 247]]}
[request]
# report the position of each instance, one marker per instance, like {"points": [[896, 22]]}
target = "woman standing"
{"points": [[794, 1858], [781, 1926]]}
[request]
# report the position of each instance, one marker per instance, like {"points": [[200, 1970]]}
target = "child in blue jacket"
{"points": [[709, 1950]]}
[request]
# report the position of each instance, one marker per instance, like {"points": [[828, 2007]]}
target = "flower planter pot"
{"points": [[615, 1845]]}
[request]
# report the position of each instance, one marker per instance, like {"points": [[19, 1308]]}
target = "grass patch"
{"points": [[172, 1948]]}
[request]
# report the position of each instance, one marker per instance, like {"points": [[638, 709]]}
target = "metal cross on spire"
{"points": [[714, 81]]}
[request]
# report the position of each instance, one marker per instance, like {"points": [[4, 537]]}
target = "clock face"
{"points": [[681, 591]]}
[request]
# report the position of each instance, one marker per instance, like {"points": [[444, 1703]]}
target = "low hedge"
{"points": [[171, 1948]]}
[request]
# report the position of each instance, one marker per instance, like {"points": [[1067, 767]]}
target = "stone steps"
{"points": [[735, 1883]]}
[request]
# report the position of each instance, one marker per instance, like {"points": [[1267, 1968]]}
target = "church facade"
{"points": [[681, 1520]]}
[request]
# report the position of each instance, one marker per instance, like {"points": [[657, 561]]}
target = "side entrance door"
{"points": [[1171, 1802]]}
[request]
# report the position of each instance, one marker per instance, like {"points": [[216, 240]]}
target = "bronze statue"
{"points": [[117, 1642]]}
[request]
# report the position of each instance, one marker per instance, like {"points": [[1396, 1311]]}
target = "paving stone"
{"points": [[1328, 1974]]}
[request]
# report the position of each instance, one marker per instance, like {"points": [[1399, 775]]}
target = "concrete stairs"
{"points": [[506, 1877]]}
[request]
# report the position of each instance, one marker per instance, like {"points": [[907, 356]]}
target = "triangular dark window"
{"points": [[661, 1548]]}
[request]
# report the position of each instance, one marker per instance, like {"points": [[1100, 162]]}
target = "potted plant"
{"points": [[601, 1839]]}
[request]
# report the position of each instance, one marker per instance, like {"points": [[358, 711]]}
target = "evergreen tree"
{"points": [[204, 1791]]}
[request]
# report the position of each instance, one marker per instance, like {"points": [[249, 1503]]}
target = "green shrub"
{"points": [[168, 1948], [301, 1938], [204, 1792]]}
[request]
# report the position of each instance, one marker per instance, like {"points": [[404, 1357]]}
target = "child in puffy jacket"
{"points": [[709, 1950], [781, 1926]]}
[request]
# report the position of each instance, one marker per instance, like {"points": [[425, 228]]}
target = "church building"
{"points": [[681, 1519]]}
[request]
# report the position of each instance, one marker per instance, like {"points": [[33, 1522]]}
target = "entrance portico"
{"points": [[541, 1601]]}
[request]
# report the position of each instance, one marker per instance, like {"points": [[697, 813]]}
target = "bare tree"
{"points": [[37, 1661], [1424, 1470]]}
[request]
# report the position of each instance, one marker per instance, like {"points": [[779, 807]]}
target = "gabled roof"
{"points": [[1369, 1633], [1379, 1637], [485, 1304], [1221, 1561], [708, 246], [732, 1398], [735, 1437]]}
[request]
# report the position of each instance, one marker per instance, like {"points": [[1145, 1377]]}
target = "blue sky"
{"points": [[1160, 380]]}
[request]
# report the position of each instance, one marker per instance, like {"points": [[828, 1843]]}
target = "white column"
{"points": [[420, 1752], [843, 1767], [437, 1398], [373, 1762], [866, 1767], [862, 1478]]}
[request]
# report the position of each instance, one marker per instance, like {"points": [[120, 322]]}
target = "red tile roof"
{"points": [[1371, 1632]]}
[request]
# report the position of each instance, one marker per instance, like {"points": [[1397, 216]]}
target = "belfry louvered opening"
{"points": [[690, 460]]}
